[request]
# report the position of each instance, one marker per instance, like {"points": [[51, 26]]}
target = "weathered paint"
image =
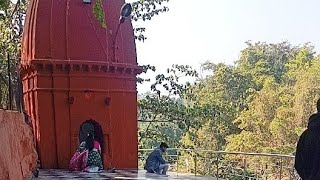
{"points": [[69, 76]]}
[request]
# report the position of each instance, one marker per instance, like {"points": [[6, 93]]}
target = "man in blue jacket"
{"points": [[155, 162]]}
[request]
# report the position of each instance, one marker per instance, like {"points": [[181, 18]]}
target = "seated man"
{"points": [[155, 163]]}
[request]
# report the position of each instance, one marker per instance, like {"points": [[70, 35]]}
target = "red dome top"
{"points": [[60, 30]]}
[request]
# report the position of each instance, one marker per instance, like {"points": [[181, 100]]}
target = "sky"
{"points": [[195, 31]]}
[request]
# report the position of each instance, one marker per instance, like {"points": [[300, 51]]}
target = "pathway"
{"points": [[119, 174]]}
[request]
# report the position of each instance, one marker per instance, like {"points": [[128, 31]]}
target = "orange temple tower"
{"points": [[72, 70]]}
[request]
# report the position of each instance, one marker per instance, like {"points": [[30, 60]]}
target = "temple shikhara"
{"points": [[79, 63]]}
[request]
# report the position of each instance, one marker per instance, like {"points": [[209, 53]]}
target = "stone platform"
{"points": [[119, 174]]}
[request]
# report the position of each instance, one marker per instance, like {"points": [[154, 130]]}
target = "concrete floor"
{"points": [[119, 174]]}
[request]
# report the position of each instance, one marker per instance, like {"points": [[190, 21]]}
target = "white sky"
{"points": [[194, 31]]}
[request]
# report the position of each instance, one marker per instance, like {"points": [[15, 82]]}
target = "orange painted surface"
{"points": [[66, 53], [18, 157]]}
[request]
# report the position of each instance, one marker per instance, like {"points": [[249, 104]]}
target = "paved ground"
{"points": [[119, 174]]}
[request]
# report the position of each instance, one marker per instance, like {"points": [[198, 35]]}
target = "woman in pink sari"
{"points": [[88, 156]]}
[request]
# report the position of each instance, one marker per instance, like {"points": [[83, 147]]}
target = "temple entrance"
{"points": [[93, 127]]}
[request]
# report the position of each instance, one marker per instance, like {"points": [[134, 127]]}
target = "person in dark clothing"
{"points": [[93, 127], [307, 159], [155, 162]]}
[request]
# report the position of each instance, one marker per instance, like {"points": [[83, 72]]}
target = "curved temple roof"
{"points": [[59, 30]]}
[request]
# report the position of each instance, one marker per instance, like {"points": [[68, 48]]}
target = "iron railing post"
{"points": [[203, 162], [19, 91], [195, 163], [217, 161], [244, 168], [177, 160], [265, 172], [281, 168], [9, 83], [177, 156]]}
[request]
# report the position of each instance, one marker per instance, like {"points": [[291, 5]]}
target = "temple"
{"points": [[74, 68]]}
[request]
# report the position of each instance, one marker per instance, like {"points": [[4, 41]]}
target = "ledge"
{"points": [[67, 66]]}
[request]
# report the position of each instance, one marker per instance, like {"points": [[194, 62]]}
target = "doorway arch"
{"points": [[92, 126]]}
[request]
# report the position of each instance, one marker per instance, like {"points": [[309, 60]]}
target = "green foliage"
{"points": [[4, 4], [284, 98], [11, 26], [260, 104], [147, 9], [226, 90], [99, 13], [169, 108], [144, 10], [145, 69]]}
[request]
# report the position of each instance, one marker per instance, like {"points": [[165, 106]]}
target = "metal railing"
{"points": [[228, 165]]}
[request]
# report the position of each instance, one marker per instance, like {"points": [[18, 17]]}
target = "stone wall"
{"points": [[18, 157]]}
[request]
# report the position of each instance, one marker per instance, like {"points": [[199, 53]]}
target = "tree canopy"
{"points": [[259, 104]]}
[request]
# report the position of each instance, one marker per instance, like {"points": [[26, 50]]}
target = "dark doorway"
{"points": [[91, 126]]}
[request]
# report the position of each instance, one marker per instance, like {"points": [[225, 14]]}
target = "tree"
{"points": [[11, 26], [4, 4], [164, 109], [261, 61], [144, 10], [226, 90], [282, 101]]}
